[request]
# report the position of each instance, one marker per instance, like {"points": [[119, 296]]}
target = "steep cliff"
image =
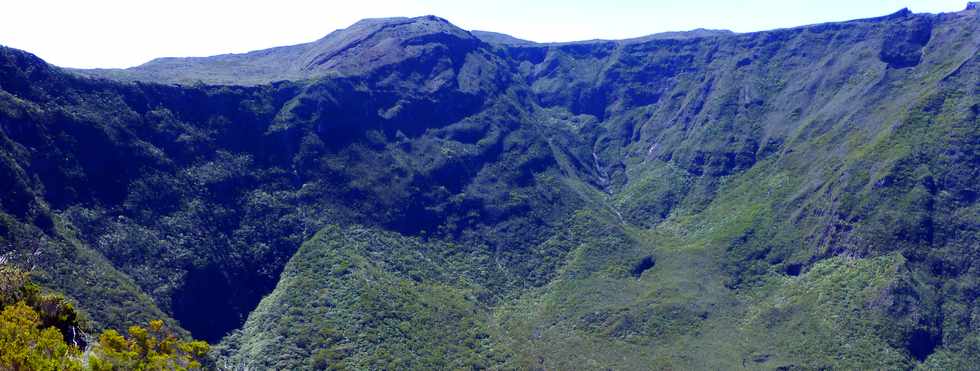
{"points": [[404, 193]]}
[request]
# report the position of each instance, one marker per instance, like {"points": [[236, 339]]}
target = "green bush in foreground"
{"points": [[33, 328], [150, 348], [26, 345]]}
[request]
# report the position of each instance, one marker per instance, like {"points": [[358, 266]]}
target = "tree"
{"points": [[150, 348], [33, 328], [26, 345]]}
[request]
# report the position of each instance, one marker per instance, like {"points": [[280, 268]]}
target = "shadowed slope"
{"points": [[796, 198]]}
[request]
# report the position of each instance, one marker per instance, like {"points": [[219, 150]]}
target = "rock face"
{"points": [[904, 41], [406, 194]]}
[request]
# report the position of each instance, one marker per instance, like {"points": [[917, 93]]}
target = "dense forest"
{"points": [[405, 194]]}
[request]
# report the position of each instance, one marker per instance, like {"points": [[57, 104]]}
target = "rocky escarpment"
{"points": [[418, 196]]}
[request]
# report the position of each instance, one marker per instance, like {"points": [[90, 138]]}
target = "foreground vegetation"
{"points": [[802, 198], [43, 331]]}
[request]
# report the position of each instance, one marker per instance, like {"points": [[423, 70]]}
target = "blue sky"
{"points": [[123, 33]]}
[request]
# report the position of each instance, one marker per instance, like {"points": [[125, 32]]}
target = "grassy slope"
{"points": [[861, 309], [363, 298], [720, 294], [804, 203], [105, 296]]}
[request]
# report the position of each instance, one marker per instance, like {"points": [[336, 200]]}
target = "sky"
{"points": [[125, 33]]}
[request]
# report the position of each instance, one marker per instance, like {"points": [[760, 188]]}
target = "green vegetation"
{"points": [[45, 332], [25, 346], [150, 348], [362, 298], [416, 198]]}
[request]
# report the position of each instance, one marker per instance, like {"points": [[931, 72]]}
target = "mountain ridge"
{"points": [[301, 60], [798, 198], [371, 41]]}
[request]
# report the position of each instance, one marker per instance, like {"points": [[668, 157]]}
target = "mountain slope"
{"points": [[221, 185], [362, 47], [797, 198], [387, 302]]}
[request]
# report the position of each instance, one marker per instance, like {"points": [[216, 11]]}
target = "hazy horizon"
{"points": [[119, 34]]}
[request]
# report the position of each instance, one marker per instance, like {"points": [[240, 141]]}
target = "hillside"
{"points": [[407, 194]]}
